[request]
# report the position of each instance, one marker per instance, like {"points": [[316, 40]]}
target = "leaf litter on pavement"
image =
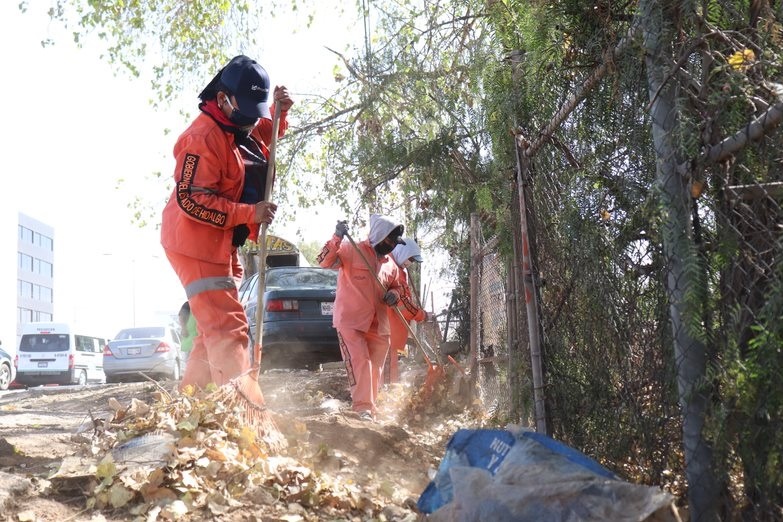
{"points": [[184, 456]]}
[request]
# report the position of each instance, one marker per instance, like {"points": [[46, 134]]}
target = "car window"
{"points": [[248, 288], [84, 343], [140, 333], [302, 278], [44, 343]]}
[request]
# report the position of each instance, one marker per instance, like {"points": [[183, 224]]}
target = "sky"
{"points": [[73, 129]]}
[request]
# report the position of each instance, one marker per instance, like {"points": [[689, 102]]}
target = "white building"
{"points": [[28, 268]]}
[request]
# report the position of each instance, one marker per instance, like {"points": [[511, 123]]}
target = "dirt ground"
{"points": [[377, 470]]}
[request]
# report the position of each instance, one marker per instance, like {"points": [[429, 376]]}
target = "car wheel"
{"points": [[5, 376], [82, 378]]}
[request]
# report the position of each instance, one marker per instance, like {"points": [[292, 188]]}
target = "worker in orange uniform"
{"points": [[216, 204], [361, 303], [404, 255]]}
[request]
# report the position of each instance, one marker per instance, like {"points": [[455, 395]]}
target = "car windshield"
{"points": [[140, 333], [44, 343], [301, 278]]}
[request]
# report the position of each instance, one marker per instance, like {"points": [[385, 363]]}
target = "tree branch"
{"points": [[581, 93], [754, 130], [314, 125]]}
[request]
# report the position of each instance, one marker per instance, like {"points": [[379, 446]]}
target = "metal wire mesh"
{"points": [[492, 338]]}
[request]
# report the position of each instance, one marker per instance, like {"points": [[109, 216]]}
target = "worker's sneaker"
{"points": [[366, 416]]}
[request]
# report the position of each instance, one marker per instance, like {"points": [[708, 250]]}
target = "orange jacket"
{"points": [[410, 311], [203, 208], [359, 300]]}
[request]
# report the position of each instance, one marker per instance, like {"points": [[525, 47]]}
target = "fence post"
{"points": [[531, 296], [475, 266], [514, 321]]}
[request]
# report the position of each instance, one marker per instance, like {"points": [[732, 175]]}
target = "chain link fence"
{"points": [[660, 315], [488, 313]]}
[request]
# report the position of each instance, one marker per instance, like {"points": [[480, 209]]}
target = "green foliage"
{"points": [[751, 418], [310, 250], [167, 41]]}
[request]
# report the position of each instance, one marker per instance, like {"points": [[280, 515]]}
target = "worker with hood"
{"points": [[216, 204], [407, 308], [367, 284]]}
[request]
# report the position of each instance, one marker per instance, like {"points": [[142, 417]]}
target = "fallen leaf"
{"points": [[119, 495]]}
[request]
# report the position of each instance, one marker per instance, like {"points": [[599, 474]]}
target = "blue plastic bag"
{"points": [[488, 450]]}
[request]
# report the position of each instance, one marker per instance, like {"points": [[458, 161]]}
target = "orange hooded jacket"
{"points": [[410, 311], [359, 300], [203, 209], [408, 307]]}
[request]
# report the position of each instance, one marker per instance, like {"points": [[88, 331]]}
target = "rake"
{"points": [[239, 392]]}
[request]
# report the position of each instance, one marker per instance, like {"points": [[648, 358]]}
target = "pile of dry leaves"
{"points": [[181, 456]]}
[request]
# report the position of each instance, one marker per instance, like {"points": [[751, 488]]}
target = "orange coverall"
{"points": [[360, 315], [410, 311], [196, 234]]}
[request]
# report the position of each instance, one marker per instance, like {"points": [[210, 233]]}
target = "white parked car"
{"points": [[59, 353]]}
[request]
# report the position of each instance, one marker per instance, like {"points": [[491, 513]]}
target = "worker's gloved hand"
{"points": [[240, 234], [341, 229], [391, 297]]}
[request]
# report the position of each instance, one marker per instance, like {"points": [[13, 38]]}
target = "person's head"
{"points": [[407, 253], [385, 234], [241, 90], [184, 315]]}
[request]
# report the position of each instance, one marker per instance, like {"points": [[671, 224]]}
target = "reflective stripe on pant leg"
{"points": [[209, 283]]}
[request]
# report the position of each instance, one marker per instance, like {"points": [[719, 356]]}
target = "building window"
{"points": [[25, 289], [25, 315], [35, 238], [25, 262], [42, 267], [42, 316], [25, 234], [47, 243]]}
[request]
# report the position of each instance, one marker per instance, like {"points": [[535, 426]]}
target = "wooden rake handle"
{"points": [[419, 344], [270, 180]]}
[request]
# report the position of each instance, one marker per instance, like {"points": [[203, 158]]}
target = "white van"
{"points": [[56, 353]]}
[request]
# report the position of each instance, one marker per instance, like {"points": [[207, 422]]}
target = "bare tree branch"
{"points": [[581, 93], [757, 128], [314, 125]]}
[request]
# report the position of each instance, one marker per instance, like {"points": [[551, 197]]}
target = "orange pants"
{"points": [[364, 354], [391, 370], [220, 349]]}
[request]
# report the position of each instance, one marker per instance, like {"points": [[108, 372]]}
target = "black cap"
{"points": [[249, 83]]}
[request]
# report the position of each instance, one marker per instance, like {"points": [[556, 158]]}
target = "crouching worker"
{"points": [[404, 255], [367, 284]]}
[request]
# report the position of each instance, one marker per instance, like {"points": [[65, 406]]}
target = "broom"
{"points": [[236, 393], [435, 372]]}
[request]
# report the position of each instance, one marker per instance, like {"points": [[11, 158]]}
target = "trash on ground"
{"points": [[491, 474]]}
